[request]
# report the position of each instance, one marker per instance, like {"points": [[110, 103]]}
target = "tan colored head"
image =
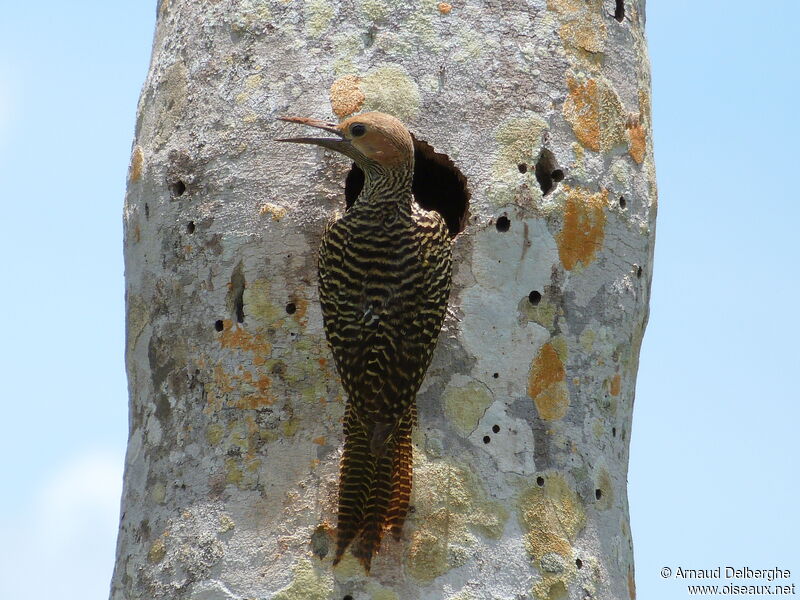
{"points": [[371, 139]]}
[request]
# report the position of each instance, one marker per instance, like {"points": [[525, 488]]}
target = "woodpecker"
{"points": [[384, 282]]}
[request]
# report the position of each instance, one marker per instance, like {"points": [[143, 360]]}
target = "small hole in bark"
{"points": [[503, 224], [235, 297], [622, 202], [190, 227], [437, 185], [219, 325], [578, 563], [496, 428], [639, 272], [598, 493], [177, 189], [146, 210], [534, 297], [486, 439], [548, 173], [613, 432], [619, 10], [540, 481], [523, 168], [495, 375], [291, 308]]}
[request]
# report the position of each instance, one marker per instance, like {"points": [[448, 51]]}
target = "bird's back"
{"points": [[384, 286], [384, 277]]}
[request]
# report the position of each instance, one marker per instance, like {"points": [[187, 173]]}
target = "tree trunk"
{"points": [[521, 451]]}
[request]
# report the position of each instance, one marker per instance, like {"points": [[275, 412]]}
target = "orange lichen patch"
{"points": [[587, 34], [631, 584], [595, 113], [239, 338], [566, 7], [319, 440], [551, 517], [645, 107], [253, 402], [583, 27], [445, 8], [137, 163], [637, 142], [547, 384], [614, 387], [346, 96], [584, 227], [244, 389], [301, 307]]}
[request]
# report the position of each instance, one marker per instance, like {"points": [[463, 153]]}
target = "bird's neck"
{"points": [[383, 186]]}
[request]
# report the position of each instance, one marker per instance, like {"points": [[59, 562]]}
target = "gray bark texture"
{"points": [[521, 451]]}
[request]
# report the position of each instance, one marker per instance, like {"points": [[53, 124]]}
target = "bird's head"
{"points": [[375, 141]]}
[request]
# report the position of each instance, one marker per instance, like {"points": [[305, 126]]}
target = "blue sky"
{"points": [[713, 475]]}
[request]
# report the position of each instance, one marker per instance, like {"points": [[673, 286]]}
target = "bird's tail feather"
{"points": [[355, 482], [376, 507], [401, 476], [374, 491]]}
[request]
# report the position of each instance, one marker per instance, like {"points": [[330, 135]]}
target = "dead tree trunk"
{"points": [[524, 418]]}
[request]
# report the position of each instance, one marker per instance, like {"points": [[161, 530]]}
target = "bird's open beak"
{"points": [[339, 143]]}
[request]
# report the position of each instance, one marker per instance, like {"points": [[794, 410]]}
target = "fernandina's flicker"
{"points": [[384, 283]]}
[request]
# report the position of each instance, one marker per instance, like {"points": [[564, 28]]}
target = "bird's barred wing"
{"points": [[382, 321]]}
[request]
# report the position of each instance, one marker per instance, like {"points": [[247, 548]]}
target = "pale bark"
{"points": [[524, 418]]}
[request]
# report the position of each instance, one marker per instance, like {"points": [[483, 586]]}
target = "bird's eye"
{"points": [[358, 130]]}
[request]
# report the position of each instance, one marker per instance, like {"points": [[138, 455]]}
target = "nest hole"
{"points": [[496, 428], [548, 173], [619, 10], [437, 185], [177, 188], [502, 224], [235, 298], [540, 481], [535, 297], [291, 308], [190, 227], [486, 439]]}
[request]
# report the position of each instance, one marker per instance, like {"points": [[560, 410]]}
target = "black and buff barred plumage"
{"points": [[384, 283]]}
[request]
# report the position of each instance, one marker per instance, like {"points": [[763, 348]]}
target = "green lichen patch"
{"points": [[551, 516], [308, 584], [465, 404], [452, 507], [544, 312], [379, 592], [319, 14], [390, 89], [260, 308], [605, 489], [157, 551], [519, 142]]}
